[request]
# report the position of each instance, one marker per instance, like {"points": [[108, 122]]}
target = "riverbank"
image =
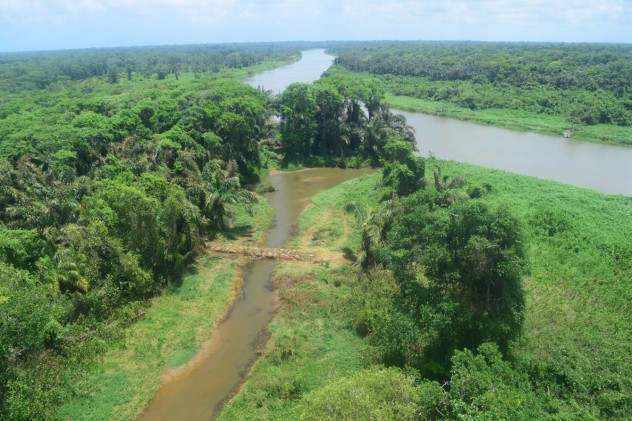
{"points": [[310, 342], [518, 120], [554, 124], [173, 329], [578, 298]]}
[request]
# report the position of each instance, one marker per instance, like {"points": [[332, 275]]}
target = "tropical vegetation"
{"points": [[466, 293], [113, 175], [487, 295]]}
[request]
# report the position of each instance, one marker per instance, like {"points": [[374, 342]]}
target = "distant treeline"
{"points": [[588, 83], [36, 70]]}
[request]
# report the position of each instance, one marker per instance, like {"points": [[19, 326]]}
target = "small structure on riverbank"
{"points": [[567, 134]]}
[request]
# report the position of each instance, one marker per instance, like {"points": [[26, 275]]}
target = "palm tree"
{"points": [[375, 227], [223, 189]]}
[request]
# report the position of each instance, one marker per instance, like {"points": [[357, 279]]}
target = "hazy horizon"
{"points": [[33, 25]]}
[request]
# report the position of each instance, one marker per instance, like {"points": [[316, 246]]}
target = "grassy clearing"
{"points": [[253, 224], [328, 224], [173, 328]]}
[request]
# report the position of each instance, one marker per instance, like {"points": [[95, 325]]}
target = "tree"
{"points": [[374, 394], [223, 189], [298, 126], [375, 226], [181, 225], [29, 324]]}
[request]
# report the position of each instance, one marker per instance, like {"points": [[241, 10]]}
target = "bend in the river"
{"points": [[606, 168]]}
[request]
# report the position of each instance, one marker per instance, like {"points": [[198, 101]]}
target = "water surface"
{"points": [[308, 69], [607, 168]]}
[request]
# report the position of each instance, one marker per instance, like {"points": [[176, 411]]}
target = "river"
{"points": [[308, 69], [198, 391], [606, 168]]}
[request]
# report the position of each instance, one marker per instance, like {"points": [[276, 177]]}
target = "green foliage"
{"points": [[29, 325], [19, 71], [129, 371], [402, 170], [579, 265], [377, 393], [21, 248], [571, 360], [339, 120], [456, 267], [536, 87], [484, 386], [109, 186]]}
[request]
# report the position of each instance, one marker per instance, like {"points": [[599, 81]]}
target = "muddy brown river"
{"points": [[197, 391]]}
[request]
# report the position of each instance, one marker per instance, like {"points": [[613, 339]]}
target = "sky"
{"points": [[27, 25]]}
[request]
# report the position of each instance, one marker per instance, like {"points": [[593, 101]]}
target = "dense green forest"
{"points": [[584, 88], [30, 70]]}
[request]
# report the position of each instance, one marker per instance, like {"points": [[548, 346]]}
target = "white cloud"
{"points": [[486, 12], [148, 21], [22, 11]]}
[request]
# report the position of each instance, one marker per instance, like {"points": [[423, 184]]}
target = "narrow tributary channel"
{"points": [[198, 391]]}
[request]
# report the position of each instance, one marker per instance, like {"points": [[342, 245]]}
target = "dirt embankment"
{"points": [[314, 255]]}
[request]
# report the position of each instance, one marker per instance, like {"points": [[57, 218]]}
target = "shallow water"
{"points": [[197, 391]]}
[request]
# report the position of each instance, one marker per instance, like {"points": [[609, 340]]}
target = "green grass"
{"points": [[174, 326], [328, 224], [310, 342], [266, 65], [525, 121], [579, 290], [510, 119], [309, 346], [254, 223]]}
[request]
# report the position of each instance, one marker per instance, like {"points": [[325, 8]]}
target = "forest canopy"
{"points": [[116, 165], [582, 84]]}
